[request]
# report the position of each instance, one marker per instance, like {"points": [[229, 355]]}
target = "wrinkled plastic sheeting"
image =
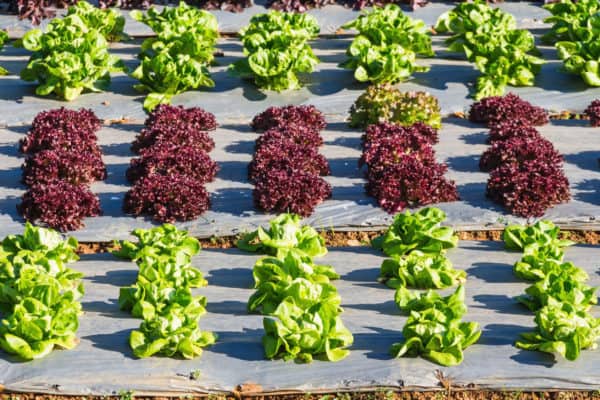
{"points": [[232, 210], [330, 88], [529, 15], [103, 362]]}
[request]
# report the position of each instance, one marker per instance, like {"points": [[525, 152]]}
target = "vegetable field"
{"points": [[369, 313], [273, 127]]}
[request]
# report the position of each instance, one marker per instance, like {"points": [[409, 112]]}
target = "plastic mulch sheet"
{"points": [[332, 90], [232, 209], [103, 362], [529, 15]]}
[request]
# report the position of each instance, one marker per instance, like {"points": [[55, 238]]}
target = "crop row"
{"points": [[286, 167], [301, 305], [402, 169], [169, 176], [62, 158], [72, 56], [416, 245], [41, 9], [559, 295], [526, 174], [162, 294]]}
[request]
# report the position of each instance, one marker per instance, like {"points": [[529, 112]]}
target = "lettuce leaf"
{"points": [[417, 231], [434, 329], [421, 271]]}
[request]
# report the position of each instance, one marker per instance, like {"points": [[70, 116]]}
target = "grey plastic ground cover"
{"points": [[528, 14], [330, 88], [232, 211], [103, 362]]}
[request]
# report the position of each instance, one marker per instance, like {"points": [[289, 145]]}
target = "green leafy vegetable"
{"points": [[165, 240], [162, 294], [562, 329], [285, 233], [3, 39], [559, 286], [385, 103], [38, 293], [69, 58], [543, 251], [274, 277], [276, 48], [559, 295], [580, 52], [421, 271], [535, 268], [109, 22], [387, 45], [417, 231], [541, 234], [434, 329], [303, 306], [575, 32], [177, 59], [488, 36], [175, 331], [301, 332], [568, 17]]}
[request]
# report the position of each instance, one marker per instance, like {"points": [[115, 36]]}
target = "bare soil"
{"points": [[381, 394], [348, 239]]}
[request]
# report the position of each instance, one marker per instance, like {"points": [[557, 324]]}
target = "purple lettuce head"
{"points": [[272, 117], [59, 204], [75, 167], [283, 154], [167, 198], [507, 107], [165, 159], [529, 188], [288, 190]]}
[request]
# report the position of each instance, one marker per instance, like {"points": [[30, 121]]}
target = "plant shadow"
{"points": [[245, 345], [589, 160], [492, 272], [237, 278], [589, 191], [463, 163], [116, 342]]}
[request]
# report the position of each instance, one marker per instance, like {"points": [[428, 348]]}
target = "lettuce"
{"points": [[559, 286], [434, 329], [387, 45], [69, 58], [276, 48], [109, 22], [417, 231], [300, 333], [302, 305], [162, 295], [562, 329], [489, 38], [177, 59], [421, 271], [285, 233], [274, 277], [3, 39], [38, 293], [559, 296], [540, 234]]}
